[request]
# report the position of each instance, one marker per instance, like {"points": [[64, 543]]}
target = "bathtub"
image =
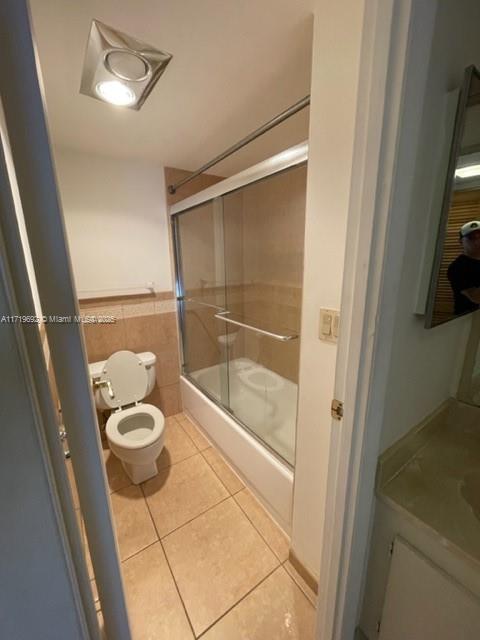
{"points": [[267, 403]]}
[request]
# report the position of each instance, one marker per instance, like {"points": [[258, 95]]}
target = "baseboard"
{"points": [[309, 578]]}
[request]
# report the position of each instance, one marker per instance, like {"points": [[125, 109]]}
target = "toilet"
{"points": [[135, 430]]}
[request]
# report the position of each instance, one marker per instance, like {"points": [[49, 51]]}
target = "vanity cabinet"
{"points": [[422, 602]]}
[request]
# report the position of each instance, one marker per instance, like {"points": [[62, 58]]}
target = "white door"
{"points": [[31, 171], [424, 603]]}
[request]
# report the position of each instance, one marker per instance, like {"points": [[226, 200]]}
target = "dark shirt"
{"points": [[464, 273]]}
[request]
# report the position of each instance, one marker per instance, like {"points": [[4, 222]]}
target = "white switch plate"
{"points": [[328, 327]]}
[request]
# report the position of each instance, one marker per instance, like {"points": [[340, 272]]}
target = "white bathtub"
{"points": [[269, 478]]}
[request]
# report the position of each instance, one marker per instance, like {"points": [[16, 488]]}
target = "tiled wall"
{"points": [[145, 323]]}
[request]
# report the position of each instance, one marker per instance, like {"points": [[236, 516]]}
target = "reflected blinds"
{"points": [[465, 207]]}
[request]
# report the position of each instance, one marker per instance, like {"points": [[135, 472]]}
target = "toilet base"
{"points": [[140, 472]]}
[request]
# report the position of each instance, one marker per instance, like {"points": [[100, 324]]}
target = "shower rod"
{"points": [[295, 108]]}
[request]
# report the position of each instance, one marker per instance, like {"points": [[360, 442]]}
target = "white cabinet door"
{"points": [[423, 603]]}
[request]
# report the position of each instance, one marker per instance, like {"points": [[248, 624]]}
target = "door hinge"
{"points": [[337, 409]]}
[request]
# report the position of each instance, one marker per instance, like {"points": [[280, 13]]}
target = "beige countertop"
{"points": [[439, 483]]}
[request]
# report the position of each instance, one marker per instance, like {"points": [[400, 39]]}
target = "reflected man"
{"points": [[464, 272]]}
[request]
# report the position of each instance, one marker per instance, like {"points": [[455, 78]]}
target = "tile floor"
{"points": [[201, 558]]}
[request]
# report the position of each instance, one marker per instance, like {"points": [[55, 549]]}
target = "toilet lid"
{"points": [[128, 379]]}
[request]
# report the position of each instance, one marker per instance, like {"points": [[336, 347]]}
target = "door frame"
{"points": [[34, 175], [396, 42]]}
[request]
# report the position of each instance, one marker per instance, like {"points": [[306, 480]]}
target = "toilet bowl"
{"points": [[135, 430]]}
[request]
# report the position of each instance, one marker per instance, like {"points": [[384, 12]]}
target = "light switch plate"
{"points": [[328, 327]]}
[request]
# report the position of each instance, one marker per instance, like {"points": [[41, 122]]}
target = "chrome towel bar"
{"points": [[270, 334]]}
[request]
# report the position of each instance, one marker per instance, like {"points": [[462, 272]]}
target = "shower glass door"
{"points": [[264, 225], [201, 284], [240, 267]]}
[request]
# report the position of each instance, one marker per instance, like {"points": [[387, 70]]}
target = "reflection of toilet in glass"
{"points": [[135, 430]]}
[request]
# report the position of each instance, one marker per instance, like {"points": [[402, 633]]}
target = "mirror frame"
{"points": [[458, 129]]}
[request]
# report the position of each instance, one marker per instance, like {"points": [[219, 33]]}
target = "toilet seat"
{"points": [[126, 429], [124, 378]]}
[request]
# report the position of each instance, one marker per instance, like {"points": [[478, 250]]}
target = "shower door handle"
{"points": [[276, 336]]}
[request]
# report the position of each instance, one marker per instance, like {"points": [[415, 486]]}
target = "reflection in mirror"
{"points": [[455, 285]]}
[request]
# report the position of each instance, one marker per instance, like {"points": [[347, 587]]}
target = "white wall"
{"points": [[336, 57], [116, 220], [424, 363]]}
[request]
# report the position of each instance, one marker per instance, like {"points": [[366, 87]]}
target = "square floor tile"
{"points": [[194, 432], [182, 492], [216, 560], [178, 446], [133, 523], [276, 610], [223, 470], [116, 475], [276, 539], [154, 606]]}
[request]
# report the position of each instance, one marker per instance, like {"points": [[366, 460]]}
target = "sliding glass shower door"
{"points": [[239, 269], [201, 279]]}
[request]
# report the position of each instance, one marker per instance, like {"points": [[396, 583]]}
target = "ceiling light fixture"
{"points": [[470, 171], [116, 93], [120, 69]]}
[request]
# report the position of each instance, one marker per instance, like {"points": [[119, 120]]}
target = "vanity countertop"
{"points": [[439, 483]]}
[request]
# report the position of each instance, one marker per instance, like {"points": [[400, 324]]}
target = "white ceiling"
{"points": [[236, 64]]}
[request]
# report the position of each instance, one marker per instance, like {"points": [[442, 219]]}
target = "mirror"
{"points": [[455, 284]]}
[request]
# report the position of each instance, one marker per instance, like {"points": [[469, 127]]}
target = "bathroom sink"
{"points": [[470, 490]]}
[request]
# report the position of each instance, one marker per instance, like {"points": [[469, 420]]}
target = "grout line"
{"points": [[305, 589], [241, 599], [190, 437], [170, 568], [141, 550], [258, 530], [197, 516], [216, 472], [185, 432]]}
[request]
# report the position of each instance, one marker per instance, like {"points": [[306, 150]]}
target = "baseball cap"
{"points": [[467, 228]]}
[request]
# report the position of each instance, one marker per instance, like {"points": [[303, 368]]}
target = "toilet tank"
{"points": [[95, 368]]}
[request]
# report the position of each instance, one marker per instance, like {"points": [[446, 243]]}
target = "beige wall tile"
{"points": [[104, 339], [275, 610], [131, 310], [140, 333], [165, 306], [167, 330], [182, 492], [216, 560], [168, 366], [170, 399], [154, 606]]}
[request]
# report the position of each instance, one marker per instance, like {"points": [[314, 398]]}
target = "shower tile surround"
{"points": [[220, 570], [142, 323]]}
